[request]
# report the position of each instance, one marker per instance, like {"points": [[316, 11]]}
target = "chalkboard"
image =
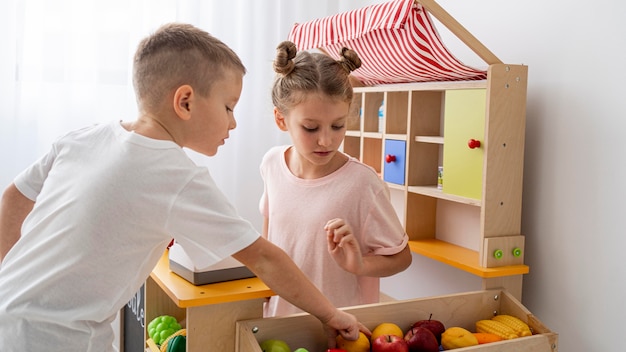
{"points": [[135, 323]]}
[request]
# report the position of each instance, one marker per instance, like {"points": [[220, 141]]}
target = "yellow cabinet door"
{"points": [[463, 146]]}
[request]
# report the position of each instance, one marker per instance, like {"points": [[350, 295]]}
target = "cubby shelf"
{"points": [[433, 191], [471, 133], [462, 258]]}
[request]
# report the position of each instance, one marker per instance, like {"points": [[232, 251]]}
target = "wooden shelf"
{"points": [[433, 191], [429, 139], [462, 258], [373, 135]]}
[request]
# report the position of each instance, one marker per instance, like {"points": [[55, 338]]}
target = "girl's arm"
{"points": [[14, 208], [280, 273], [345, 250], [265, 227]]}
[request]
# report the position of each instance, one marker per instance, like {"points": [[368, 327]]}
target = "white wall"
{"points": [[573, 213]]}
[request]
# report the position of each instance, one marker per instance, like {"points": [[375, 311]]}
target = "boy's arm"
{"points": [[279, 272], [14, 207]]}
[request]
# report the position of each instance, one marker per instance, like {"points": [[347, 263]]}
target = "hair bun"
{"points": [[350, 60], [285, 53]]}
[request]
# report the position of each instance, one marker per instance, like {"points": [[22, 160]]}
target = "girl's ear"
{"points": [[183, 101], [280, 119]]}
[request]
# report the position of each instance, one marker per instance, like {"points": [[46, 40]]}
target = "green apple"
{"points": [[275, 345], [301, 349]]}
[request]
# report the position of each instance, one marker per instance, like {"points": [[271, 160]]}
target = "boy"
{"points": [[82, 228]]}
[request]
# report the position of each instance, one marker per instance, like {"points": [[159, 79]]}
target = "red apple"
{"points": [[421, 340], [435, 326], [389, 343]]}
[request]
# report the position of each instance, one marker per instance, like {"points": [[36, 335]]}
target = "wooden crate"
{"points": [[303, 330]]}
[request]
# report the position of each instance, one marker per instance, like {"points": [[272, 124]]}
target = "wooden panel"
{"points": [[504, 152], [353, 122], [371, 103], [373, 153], [396, 113], [512, 284], [425, 120], [464, 120], [212, 327], [394, 170], [463, 310], [505, 245], [352, 146], [421, 216]]}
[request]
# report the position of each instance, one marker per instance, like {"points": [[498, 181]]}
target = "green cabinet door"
{"points": [[464, 120]]}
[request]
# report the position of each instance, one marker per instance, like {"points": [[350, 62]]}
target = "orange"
{"points": [[386, 329], [362, 344]]}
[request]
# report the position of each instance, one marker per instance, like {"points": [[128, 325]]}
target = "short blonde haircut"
{"points": [[175, 55]]}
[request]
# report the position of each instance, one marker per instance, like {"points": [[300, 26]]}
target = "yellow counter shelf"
{"points": [[462, 258], [185, 294], [209, 312]]}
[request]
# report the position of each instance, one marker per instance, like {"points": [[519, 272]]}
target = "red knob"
{"points": [[473, 143], [390, 158]]}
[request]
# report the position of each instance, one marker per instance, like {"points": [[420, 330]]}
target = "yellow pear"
{"points": [[457, 337]]}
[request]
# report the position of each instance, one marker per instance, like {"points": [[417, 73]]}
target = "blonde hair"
{"points": [[302, 73], [178, 54]]}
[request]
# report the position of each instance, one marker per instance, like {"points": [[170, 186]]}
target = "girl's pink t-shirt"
{"points": [[299, 208]]}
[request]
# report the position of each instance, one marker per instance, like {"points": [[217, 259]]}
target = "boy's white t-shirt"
{"points": [[108, 202], [299, 208]]}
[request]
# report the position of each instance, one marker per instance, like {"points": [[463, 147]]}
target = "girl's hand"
{"points": [[343, 246]]}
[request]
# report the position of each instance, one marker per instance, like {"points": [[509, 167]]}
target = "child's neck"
{"points": [[303, 169], [150, 127]]}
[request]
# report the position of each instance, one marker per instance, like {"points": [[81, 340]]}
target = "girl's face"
{"points": [[213, 116], [317, 127]]}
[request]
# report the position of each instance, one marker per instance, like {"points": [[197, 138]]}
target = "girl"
{"points": [[328, 211]]}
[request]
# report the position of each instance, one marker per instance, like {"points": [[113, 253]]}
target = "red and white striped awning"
{"points": [[396, 41]]}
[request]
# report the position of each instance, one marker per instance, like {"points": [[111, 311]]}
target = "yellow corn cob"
{"points": [[521, 328], [496, 327]]}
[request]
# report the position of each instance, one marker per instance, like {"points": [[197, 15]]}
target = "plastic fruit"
{"points": [[274, 345], [386, 329], [362, 344], [161, 327], [435, 326], [457, 337], [485, 337], [174, 343], [177, 344], [389, 343], [421, 340]]}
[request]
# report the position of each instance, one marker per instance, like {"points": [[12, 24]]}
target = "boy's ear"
{"points": [[280, 119], [183, 101]]}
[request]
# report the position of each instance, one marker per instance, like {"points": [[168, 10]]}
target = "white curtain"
{"points": [[65, 64]]}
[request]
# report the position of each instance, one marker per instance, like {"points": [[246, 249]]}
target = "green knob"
{"points": [[517, 252], [498, 253]]}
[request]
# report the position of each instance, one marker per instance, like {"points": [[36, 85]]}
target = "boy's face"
{"points": [[212, 116]]}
